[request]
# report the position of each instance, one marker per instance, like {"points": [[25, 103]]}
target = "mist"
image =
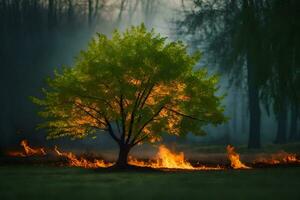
{"points": [[37, 37]]}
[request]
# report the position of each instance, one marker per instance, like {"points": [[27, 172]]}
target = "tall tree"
{"points": [[32, 33], [232, 34], [283, 29], [134, 87]]}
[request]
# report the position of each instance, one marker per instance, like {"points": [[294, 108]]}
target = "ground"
{"points": [[44, 182]]}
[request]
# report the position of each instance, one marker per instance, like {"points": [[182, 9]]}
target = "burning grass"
{"points": [[164, 159], [234, 158], [27, 151]]}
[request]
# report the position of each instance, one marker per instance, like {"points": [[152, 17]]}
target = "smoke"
{"points": [[38, 38]]}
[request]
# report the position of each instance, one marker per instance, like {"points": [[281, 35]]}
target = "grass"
{"points": [[42, 183], [293, 147]]}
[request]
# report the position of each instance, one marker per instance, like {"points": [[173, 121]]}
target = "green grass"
{"points": [[42, 183]]}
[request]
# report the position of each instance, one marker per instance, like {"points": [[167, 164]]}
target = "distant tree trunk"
{"points": [[132, 10], [70, 11], [90, 12], [234, 113], [50, 14], [122, 7], [293, 124], [122, 161], [281, 135], [244, 112], [254, 109]]}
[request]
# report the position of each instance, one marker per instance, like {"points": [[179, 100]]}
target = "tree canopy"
{"points": [[134, 86]]}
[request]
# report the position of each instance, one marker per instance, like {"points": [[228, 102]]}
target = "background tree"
{"points": [[283, 43], [134, 87], [233, 36], [32, 34]]}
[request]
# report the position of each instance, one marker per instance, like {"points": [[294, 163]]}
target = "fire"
{"points": [[281, 157], [164, 159], [169, 160], [32, 151], [235, 158], [27, 150], [81, 162]]}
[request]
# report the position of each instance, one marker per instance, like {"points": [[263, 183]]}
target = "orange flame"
{"points": [[81, 162], [234, 158], [281, 157], [28, 151], [169, 160]]}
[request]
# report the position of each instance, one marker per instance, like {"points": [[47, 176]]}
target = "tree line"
{"points": [[260, 38]]}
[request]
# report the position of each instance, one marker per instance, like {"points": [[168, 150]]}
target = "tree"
{"points": [[232, 33], [134, 87], [282, 28], [42, 28]]}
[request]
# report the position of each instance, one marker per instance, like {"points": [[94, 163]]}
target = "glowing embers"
{"points": [[81, 162], [234, 158], [169, 160], [281, 157], [27, 151]]}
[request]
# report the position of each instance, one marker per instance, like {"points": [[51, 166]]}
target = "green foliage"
{"points": [[133, 86]]}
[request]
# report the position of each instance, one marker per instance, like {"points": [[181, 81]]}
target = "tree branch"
{"points": [[132, 116], [81, 107], [146, 123], [183, 115], [123, 118]]}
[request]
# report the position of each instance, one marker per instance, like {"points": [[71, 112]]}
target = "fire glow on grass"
{"points": [[164, 159], [169, 160], [281, 157], [81, 162]]}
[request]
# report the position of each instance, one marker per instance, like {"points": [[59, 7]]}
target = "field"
{"points": [[44, 182]]}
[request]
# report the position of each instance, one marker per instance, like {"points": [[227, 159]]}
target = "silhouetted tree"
{"points": [[233, 36], [283, 30]]}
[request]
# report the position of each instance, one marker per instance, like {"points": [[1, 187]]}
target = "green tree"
{"points": [[134, 86]]}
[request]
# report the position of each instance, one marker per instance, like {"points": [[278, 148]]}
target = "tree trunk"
{"points": [[293, 124], [234, 114], [90, 12], [281, 121], [122, 161], [254, 109]]}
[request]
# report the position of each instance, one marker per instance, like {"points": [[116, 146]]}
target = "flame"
{"points": [[27, 150], [235, 158], [169, 160], [281, 157], [81, 162]]}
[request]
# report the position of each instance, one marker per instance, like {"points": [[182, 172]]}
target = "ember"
{"points": [[281, 157]]}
